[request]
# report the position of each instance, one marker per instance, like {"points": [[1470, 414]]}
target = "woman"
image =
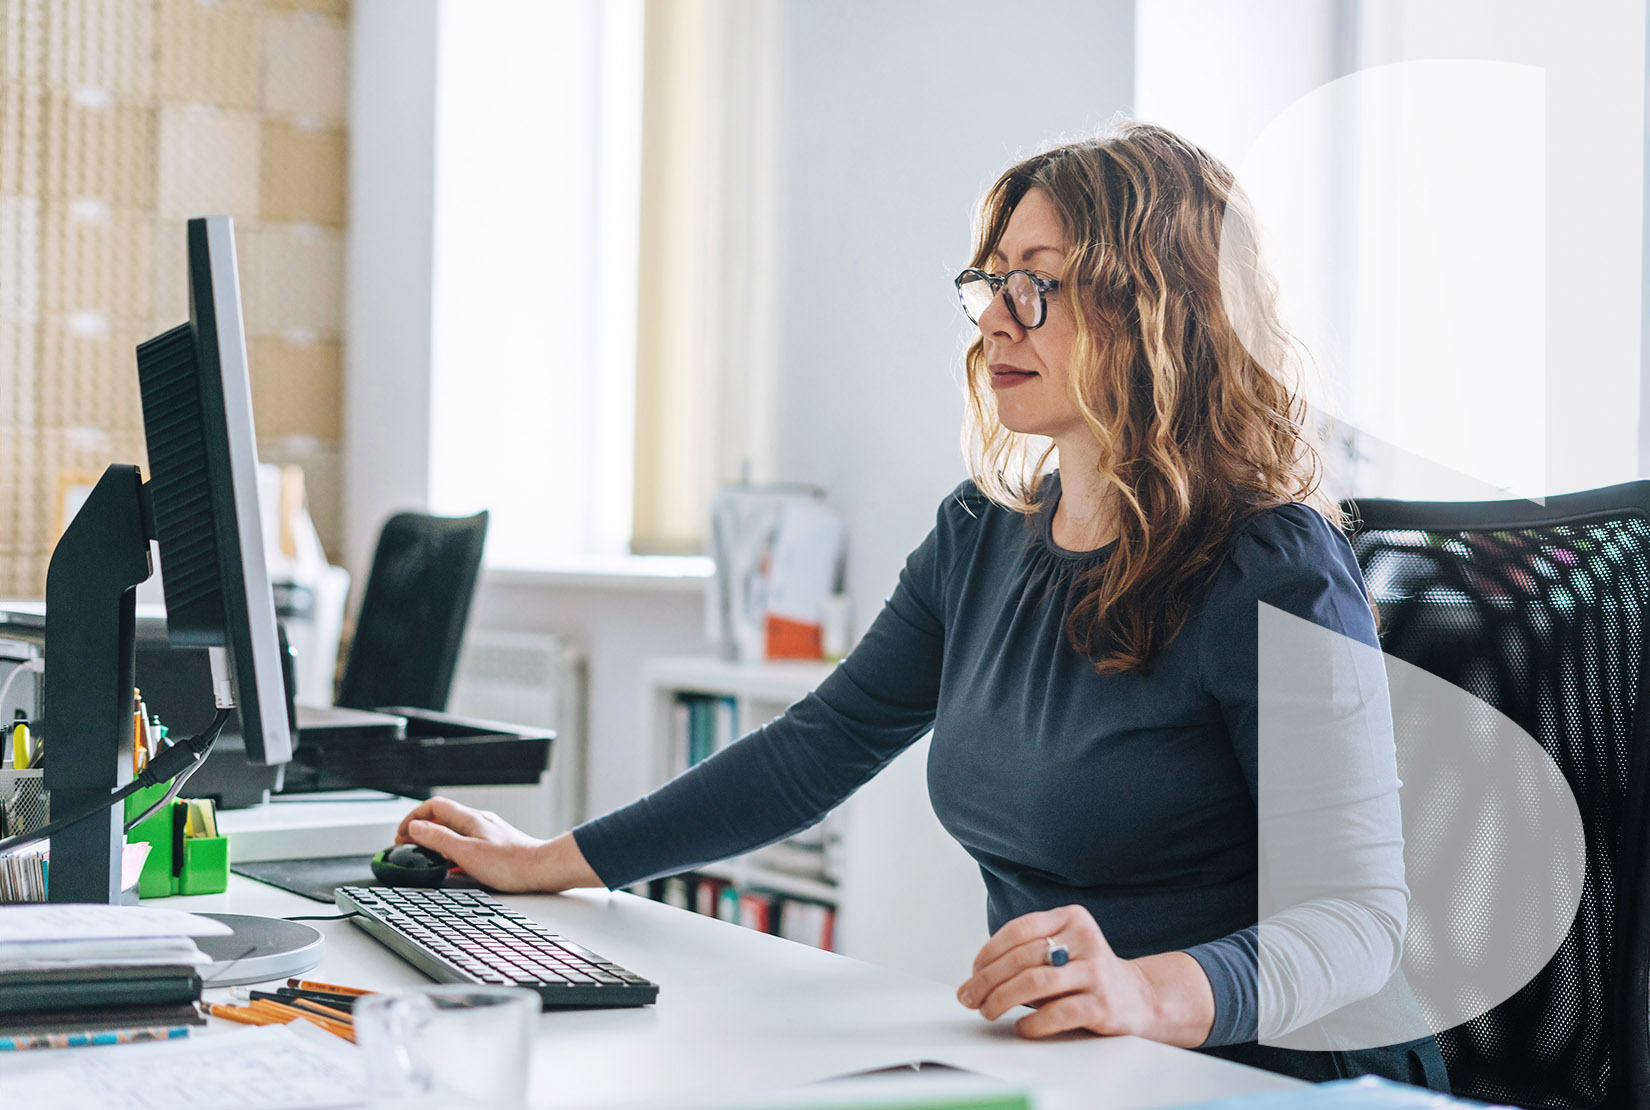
{"points": [[1083, 643]]}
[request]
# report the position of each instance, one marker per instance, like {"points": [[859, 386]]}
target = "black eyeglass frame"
{"points": [[1043, 285]]}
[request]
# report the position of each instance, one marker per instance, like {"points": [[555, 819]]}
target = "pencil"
{"points": [[244, 1016], [341, 1004], [323, 1010], [325, 988], [287, 1013]]}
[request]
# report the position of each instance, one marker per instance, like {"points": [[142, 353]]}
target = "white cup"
{"points": [[448, 1047]]}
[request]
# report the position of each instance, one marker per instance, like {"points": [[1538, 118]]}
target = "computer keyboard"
{"points": [[467, 936]]}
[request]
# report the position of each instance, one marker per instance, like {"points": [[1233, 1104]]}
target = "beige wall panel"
{"points": [[19, 342], [88, 378], [101, 44], [101, 148], [22, 136], [304, 174], [323, 468], [23, 575], [209, 53], [23, 41], [326, 7], [295, 286], [208, 162], [297, 388], [19, 258], [22, 505], [169, 274], [306, 60], [100, 264]]}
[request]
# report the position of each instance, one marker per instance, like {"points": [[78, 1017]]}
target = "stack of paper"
{"points": [[76, 975], [38, 937]]}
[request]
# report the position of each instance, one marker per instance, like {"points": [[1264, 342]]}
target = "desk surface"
{"points": [[741, 1011]]}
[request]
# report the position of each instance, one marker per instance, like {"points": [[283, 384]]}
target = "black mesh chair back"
{"points": [[413, 612], [1540, 611]]}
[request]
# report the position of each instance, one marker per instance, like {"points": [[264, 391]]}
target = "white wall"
{"points": [[390, 267], [897, 118]]}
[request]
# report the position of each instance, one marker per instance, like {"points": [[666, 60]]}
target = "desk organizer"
{"points": [[438, 750], [24, 803], [176, 864]]}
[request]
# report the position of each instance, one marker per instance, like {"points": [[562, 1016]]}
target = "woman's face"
{"points": [[1030, 369]]}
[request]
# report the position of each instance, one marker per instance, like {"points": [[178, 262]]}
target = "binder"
{"points": [[42, 991]]}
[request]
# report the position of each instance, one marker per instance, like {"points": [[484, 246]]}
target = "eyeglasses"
{"points": [[1025, 293]]}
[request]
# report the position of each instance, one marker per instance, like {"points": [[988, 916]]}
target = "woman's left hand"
{"points": [[1165, 998]]}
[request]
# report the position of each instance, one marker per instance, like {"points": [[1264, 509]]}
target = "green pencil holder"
{"points": [[204, 868]]}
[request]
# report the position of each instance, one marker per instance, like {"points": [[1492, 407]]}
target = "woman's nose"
{"points": [[998, 320]]}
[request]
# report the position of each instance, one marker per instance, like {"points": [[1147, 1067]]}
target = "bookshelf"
{"points": [[696, 705], [899, 890]]}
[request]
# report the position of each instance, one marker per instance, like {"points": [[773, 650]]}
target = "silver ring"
{"points": [[1057, 955]]}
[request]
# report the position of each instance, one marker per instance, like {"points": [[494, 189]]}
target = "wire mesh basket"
{"points": [[24, 803], [24, 808]]}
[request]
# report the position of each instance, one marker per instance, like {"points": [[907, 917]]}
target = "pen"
{"points": [[340, 1003], [20, 746], [344, 1002], [325, 988], [24, 1042]]}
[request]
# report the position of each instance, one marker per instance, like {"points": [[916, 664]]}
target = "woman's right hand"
{"points": [[493, 851]]}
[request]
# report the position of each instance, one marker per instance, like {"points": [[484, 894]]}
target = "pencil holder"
{"points": [[176, 864]]}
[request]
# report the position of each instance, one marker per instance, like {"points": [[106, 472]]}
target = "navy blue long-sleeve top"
{"points": [[1131, 794]]}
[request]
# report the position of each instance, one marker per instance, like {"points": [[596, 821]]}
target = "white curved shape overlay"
{"points": [[1491, 841], [1402, 210]]}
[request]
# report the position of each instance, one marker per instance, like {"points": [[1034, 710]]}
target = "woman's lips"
{"points": [[1006, 377]]}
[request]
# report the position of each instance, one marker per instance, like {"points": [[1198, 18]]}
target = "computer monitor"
{"points": [[201, 505]]}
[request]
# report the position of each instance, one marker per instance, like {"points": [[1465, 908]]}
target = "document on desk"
{"points": [[267, 1067], [44, 936]]}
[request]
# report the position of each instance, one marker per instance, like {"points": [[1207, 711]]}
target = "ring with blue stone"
{"points": [[1057, 955]]}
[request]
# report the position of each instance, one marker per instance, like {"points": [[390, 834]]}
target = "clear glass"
{"points": [[448, 1047]]}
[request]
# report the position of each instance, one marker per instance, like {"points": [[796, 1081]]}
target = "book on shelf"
{"points": [[767, 911], [701, 725], [756, 910], [727, 903]]}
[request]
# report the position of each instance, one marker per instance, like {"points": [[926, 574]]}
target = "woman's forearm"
{"points": [[1184, 1002], [561, 865]]}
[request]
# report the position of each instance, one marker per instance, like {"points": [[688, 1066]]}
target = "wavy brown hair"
{"points": [[1181, 369]]}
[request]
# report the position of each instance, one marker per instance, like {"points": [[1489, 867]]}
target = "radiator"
{"points": [[527, 679]]}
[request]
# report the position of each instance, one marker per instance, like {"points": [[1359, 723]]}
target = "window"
{"points": [[534, 292], [602, 168]]}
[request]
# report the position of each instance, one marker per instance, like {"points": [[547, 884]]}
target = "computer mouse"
{"points": [[410, 865]]}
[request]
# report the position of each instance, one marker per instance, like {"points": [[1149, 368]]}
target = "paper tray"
{"points": [[439, 750]]}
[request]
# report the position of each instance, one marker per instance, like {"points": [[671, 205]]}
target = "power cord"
{"points": [[29, 666], [326, 917], [181, 758]]}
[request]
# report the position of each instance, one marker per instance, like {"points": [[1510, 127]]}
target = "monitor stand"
{"points": [[259, 950], [86, 718]]}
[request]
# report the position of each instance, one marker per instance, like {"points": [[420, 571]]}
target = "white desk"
{"points": [[741, 1011], [305, 826]]}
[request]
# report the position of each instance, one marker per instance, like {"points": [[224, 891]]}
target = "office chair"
{"points": [[1540, 611], [413, 612]]}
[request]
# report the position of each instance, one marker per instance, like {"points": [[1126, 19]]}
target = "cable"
{"points": [[327, 917], [30, 666], [182, 757], [170, 796]]}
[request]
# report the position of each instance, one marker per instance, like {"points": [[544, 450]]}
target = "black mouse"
{"points": [[410, 865]]}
